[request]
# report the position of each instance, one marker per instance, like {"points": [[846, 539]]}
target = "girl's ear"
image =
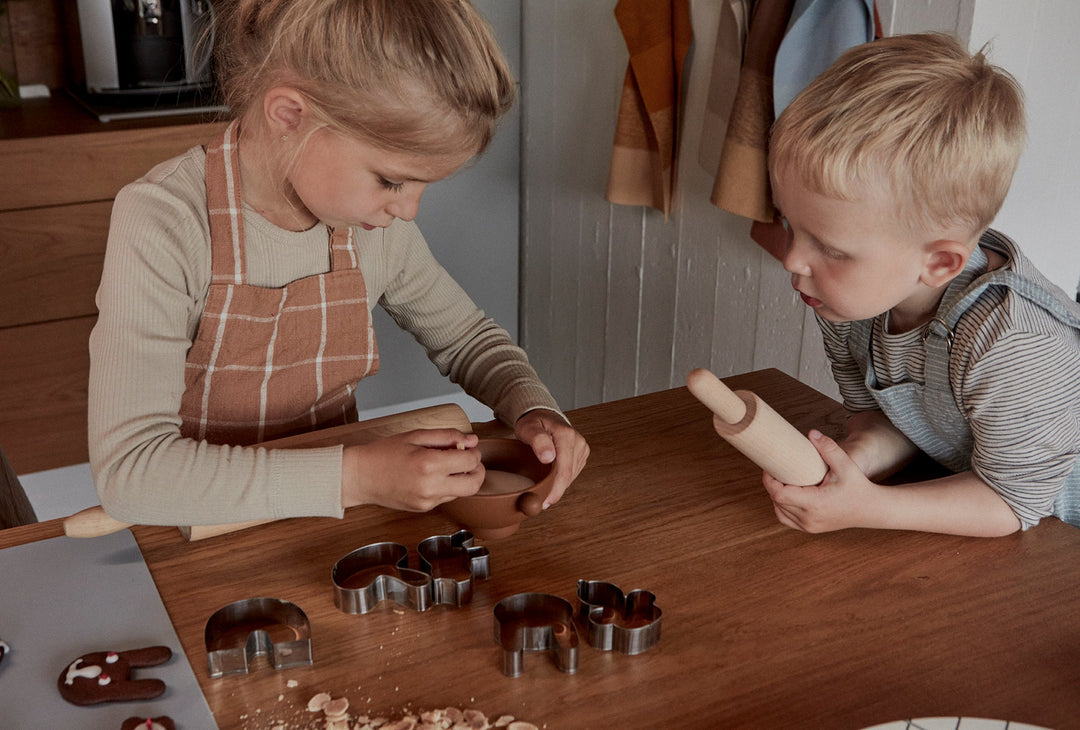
{"points": [[944, 260], [284, 108]]}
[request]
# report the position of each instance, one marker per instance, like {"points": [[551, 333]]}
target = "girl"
{"points": [[235, 303]]}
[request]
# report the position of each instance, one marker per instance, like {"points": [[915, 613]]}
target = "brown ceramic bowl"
{"points": [[514, 488]]}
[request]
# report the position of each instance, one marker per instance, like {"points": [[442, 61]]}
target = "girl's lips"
{"points": [[810, 301], [366, 227]]}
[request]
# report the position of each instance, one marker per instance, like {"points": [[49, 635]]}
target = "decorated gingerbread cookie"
{"points": [[105, 676], [148, 723]]}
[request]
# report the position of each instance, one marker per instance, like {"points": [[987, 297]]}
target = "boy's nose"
{"points": [[794, 261]]}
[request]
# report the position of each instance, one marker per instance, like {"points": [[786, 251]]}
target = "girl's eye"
{"points": [[391, 186]]}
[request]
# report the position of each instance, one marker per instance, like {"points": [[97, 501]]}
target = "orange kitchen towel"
{"points": [[643, 158], [742, 179], [723, 79]]}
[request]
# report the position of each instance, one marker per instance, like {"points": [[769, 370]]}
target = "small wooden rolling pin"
{"points": [[760, 433], [95, 522]]}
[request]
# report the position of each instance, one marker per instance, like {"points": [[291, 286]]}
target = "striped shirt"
{"points": [[1014, 372]]}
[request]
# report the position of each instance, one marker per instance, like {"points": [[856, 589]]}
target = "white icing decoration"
{"points": [[75, 671], [4, 647], [111, 657]]}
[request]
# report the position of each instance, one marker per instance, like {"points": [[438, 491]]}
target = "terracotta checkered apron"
{"points": [[267, 363]]}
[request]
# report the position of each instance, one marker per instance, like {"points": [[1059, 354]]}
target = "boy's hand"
{"points": [[415, 471], [553, 442], [843, 499]]}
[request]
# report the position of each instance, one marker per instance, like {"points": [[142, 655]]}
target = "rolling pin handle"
{"points": [[719, 398], [92, 522]]}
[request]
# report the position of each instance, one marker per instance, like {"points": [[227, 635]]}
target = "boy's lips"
{"points": [[809, 300]]}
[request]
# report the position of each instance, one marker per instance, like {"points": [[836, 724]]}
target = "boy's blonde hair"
{"points": [[420, 76], [941, 129]]}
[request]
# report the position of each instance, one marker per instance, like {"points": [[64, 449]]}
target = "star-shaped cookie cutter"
{"points": [[629, 624], [449, 564], [237, 633]]}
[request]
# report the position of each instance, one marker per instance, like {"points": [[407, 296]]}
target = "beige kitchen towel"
{"points": [[644, 155], [742, 179], [723, 79]]}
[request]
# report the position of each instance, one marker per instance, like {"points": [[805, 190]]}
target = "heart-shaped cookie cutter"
{"points": [[535, 622], [449, 564], [237, 633], [629, 623]]}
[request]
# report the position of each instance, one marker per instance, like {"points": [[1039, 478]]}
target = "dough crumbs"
{"points": [[292, 684], [316, 703], [335, 716]]}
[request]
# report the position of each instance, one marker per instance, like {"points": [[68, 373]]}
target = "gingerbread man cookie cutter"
{"points": [[449, 565], [629, 624], [535, 622], [237, 633]]}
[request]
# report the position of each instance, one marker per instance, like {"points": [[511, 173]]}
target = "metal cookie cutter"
{"points": [[380, 572], [628, 624], [535, 622], [243, 630]]}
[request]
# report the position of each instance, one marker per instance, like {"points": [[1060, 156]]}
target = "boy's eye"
{"points": [[831, 253], [391, 186]]}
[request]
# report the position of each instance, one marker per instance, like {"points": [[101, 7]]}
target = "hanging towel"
{"points": [[723, 79], [658, 36], [818, 32], [742, 180]]}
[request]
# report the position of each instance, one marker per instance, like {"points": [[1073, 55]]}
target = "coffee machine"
{"points": [[147, 47]]}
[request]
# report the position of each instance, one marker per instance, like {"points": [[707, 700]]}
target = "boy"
{"points": [[942, 336]]}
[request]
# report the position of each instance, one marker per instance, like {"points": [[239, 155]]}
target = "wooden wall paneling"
{"points": [[43, 402], [622, 326], [659, 284], [592, 86], [95, 165], [52, 261], [537, 306], [569, 189]]}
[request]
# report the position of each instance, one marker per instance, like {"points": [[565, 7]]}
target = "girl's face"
{"points": [[346, 182], [851, 260]]}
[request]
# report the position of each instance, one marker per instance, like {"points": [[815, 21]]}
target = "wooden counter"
{"points": [[763, 626]]}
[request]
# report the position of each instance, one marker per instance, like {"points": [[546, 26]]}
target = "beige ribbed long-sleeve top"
{"points": [[151, 297]]}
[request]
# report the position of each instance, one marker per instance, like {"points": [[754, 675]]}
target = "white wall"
{"points": [[617, 302], [1035, 41]]}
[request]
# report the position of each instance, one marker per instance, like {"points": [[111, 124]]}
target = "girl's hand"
{"points": [[843, 499], [553, 441], [415, 471]]}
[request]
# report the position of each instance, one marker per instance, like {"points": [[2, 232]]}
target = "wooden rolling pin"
{"points": [[760, 433], [95, 522]]}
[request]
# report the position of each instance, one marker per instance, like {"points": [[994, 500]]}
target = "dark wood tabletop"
{"points": [[763, 626]]}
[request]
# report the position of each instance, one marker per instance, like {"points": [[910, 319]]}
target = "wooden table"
{"points": [[763, 626]]}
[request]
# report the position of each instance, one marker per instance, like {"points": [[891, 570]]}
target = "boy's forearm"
{"points": [[959, 504], [876, 445]]}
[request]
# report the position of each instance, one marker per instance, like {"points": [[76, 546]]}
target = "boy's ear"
{"points": [[284, 108], [944, 259]]}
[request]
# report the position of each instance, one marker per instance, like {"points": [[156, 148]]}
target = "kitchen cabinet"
{"points": [[59, 172]]}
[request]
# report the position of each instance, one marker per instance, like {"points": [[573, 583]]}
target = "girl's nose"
{"points": [[406, 204]]}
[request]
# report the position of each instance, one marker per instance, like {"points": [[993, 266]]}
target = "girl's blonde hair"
{"points": [[421, 76], [914, 116]]}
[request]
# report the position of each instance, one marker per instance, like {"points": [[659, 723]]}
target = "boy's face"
{"points": [[851, 260]]}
